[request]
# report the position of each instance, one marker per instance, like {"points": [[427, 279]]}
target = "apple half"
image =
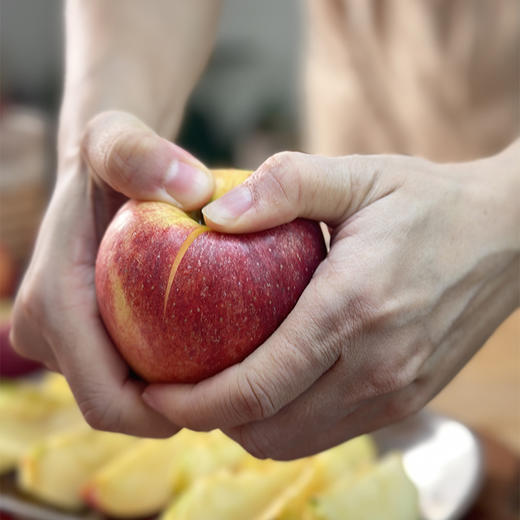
{"points": [[182, 302]]}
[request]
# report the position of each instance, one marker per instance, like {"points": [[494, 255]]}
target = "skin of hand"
{"points": [[423, 266], [100, 163]]}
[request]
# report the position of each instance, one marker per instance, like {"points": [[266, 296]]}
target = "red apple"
{"points": [[182, 302]]}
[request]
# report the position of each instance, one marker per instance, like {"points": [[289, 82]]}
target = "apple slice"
{"points": [[136, 483], [28, 414], [384, 491], [56, 469], [348, 459], [228, 495], [207, 453], [141, 481], [55, 386]]}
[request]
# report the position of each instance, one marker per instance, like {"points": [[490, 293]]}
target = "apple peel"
{"points": [[178, 259]]}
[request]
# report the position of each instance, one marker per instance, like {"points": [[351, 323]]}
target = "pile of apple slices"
{"points": [[61, 461]]}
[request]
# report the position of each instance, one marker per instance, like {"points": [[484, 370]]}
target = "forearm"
{"points": [[140, 58]]}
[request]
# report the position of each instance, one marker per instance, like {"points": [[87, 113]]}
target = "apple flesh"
{"points": [[182, 302]]}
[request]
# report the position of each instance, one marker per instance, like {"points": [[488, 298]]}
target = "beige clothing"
{"points": [[435, 78]]}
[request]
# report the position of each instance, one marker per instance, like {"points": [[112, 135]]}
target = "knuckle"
{"points": [[93, 418], [392, 373], [251, 400], [346, 315], [331, 314], [255, 444], [97, 414], [395, 409], [27, 313], [385, 381], [281, 175], [124, 157], [402, 405], [113, 145], [194, 418], [88, 139]]}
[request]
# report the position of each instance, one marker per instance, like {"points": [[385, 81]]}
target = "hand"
{"points": [[421, 270], [55, 318]]}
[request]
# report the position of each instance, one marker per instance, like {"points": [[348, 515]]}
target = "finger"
{"points": [[99, 379], [306, 425], [133, 160], [290, 185], [372, 365], [281, 438], [27, 341], [271, 377]]}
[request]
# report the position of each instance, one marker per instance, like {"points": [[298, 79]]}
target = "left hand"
{"points": [[421, 270]]}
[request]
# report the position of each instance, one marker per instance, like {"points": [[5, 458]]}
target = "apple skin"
{"points": [[227, 296]]}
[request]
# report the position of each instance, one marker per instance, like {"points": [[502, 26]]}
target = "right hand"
{"points": [[55, 317]]}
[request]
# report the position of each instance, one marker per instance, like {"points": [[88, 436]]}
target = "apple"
{"points": [[182, 302]]}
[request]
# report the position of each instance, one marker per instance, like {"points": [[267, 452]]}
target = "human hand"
{"points": [[55, 318], [421, 270]]}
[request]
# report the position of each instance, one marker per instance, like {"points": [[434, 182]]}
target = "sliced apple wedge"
{"points": [[139, 482], [56, 468], [55, 386], [228, 495], [383, 492], [206, 453], [27, 415], [348, 458], [142, 481]]}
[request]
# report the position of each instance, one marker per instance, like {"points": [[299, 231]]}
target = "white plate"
{"points": [[442, 457]]}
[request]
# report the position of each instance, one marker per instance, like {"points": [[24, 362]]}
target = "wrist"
{"points": [[484, 217], [121, 57], [495, 187], [508, 163], [498, 186], [98, 95]]}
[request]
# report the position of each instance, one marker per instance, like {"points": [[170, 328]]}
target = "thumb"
{"points": [[290, 185], [133, 160]]}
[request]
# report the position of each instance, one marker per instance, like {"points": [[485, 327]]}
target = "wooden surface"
{"points": [[486, 396], [499, 498], [486, 393]]}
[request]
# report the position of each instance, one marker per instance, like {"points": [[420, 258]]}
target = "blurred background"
{"points": [[246, 107], [243, 109]]}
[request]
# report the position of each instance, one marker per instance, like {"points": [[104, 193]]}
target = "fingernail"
{"points": [[188, 184], [230, 206]]}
